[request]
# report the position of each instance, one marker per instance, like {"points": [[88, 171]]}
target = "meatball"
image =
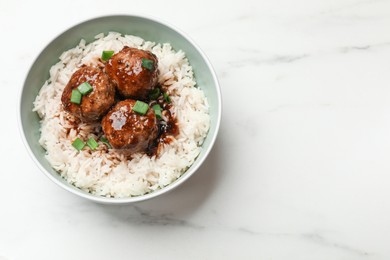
{"points": [[94, 104], [133, 71], [126, 129]]}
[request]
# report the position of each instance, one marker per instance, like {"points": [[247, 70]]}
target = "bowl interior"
{"points": [[146, 28]]}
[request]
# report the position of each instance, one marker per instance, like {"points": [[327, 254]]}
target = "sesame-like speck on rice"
{"points": [[107, 172]]}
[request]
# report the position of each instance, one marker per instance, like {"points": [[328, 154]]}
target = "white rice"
{"points": [[106, 172]]}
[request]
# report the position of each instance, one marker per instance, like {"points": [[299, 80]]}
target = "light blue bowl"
{"points": [[148, 28]]}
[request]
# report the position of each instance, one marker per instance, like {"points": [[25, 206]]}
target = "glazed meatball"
{"points": [[94, 104], [133, 71], [126, 129]]}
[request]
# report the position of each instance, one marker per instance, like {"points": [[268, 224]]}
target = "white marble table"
{"points": [[301, 171]]}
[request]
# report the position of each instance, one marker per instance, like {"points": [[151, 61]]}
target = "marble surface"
{"points": [[301, 171]]}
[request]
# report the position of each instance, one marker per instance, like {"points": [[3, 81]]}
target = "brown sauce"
{"points": [[167, 130]]}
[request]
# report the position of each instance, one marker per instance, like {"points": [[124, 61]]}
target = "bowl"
{"points": [[148, 28]]}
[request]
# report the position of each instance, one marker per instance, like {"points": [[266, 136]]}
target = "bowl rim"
{"points": [[107, 200]]}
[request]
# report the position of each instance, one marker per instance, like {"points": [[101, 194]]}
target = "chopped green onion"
{"points": [[92, 143], [105, 141], [157, 110], [76, 97], [157, 107], [85, 88], [140, 107], [154, 94], [106, 55], [78, 144], [147, 64], [158, 114], [166, 97]]}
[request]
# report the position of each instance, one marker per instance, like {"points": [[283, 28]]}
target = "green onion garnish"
{"points": [[140, 107], [105, 141], [157, 107], [92, 143], [166, 97], [85, 88], [157, 111], [106, 55], [154, 94], [76, 97], [78, 144], [147, 64]]}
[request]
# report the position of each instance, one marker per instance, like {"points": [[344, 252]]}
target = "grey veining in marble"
{"points": [[301, 166]]}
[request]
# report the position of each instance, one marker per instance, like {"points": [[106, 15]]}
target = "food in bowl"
{"points": [[127, 129], [135, 141], [94, 105], [133, 71]]}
